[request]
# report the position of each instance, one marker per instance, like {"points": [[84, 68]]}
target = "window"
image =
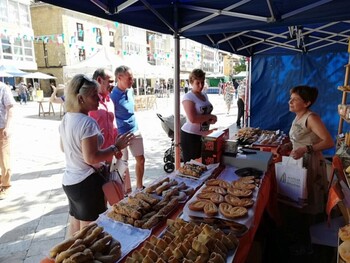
{"points": [[3, 11], [80, 30], [6, 48], [111, 38], [98, 36], [81, 54], [24, 15], [13, 13]]}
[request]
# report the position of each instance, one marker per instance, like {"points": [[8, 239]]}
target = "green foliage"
{"points": [[241, 67]]}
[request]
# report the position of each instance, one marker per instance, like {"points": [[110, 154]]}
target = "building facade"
{"points": [[36, 36], [16, 35]]}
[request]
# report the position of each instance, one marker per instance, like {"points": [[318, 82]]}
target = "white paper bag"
{"points": [[291, 184], [291, 161]]}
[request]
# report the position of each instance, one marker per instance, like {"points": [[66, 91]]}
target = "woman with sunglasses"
{"points": [[80, 140]]}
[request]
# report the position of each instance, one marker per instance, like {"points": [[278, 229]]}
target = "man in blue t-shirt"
{"points": [[123, 98]]}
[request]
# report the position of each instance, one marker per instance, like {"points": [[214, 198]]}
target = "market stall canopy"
{"points": [[39, 75], [245, 27], [101, 59], [12, 70], [4, 74]]}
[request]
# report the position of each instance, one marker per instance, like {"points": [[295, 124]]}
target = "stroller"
{"points": [[168, 127]]}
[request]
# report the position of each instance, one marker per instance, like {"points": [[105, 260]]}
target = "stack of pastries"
{"points": [[186, 242]]}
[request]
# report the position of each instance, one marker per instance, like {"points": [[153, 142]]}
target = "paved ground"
{"points": [[34, 216]]}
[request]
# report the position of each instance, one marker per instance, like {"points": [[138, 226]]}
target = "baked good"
{"points": [[210, 209], [197, 205], [243, 185], [344, 232], [344, 251], [192, 169], [224, 184], [247, 202], [232, 200], [215, 189], [239, 192], [204, 195], [213, 182], [232, 212]]}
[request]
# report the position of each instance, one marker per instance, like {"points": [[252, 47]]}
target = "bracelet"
{"points": [[309, 148], [115, 148]]}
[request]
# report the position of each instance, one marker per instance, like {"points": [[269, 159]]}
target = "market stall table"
{"points": [[247, 239]]}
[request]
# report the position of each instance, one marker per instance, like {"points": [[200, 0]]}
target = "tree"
{"points": [[241, 67]]}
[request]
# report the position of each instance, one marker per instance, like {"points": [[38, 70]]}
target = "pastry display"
{"points": [[235, 198], [186, 242], [192, 169], [87, 245], [142, 210]]}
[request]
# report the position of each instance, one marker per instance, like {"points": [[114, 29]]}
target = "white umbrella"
{"points": [[4, 74], [39, 75]]}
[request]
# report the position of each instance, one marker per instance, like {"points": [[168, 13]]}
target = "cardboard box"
{"points": [[213, 142], [231, 147], [211, 158]]}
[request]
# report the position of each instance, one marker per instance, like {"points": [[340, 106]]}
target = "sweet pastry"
{"points": [[215, 189], [239, 192], [204, 195], [216, 198], [246, 181], [243, 185], [213, 182], [247, 202], [224, 184], [344, 232], [210, 209], [197, 205], [344, 251], [192, 169], [232, 200], [232, 212]]}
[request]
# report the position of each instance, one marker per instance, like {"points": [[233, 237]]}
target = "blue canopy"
{"points": [[290, 42], [245, 27]]}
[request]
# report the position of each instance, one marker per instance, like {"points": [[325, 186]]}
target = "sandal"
{"points": [[3, 192]]}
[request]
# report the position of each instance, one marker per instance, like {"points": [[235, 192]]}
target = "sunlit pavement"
{"points": [[35, 213]]}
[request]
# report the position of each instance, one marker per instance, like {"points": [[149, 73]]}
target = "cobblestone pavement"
{"points": [[34, 215]]}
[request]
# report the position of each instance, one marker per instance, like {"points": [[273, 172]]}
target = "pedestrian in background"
{"points": [[80, 140], [22, 92], [240, 106], [104, 115], [6, 106], [228, 97], [124, 105]]}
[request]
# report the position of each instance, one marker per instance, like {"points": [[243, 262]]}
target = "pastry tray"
{"points": [[228, 175], [230, 254], [204, 176], [129, 236]]}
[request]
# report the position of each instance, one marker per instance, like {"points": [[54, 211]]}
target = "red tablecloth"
{"points": [[265, 200]]}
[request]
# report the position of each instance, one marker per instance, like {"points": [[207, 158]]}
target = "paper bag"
{"points": [[291, 184]]}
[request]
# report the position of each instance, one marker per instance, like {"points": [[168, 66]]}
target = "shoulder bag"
{"points": [[113, 187]]}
